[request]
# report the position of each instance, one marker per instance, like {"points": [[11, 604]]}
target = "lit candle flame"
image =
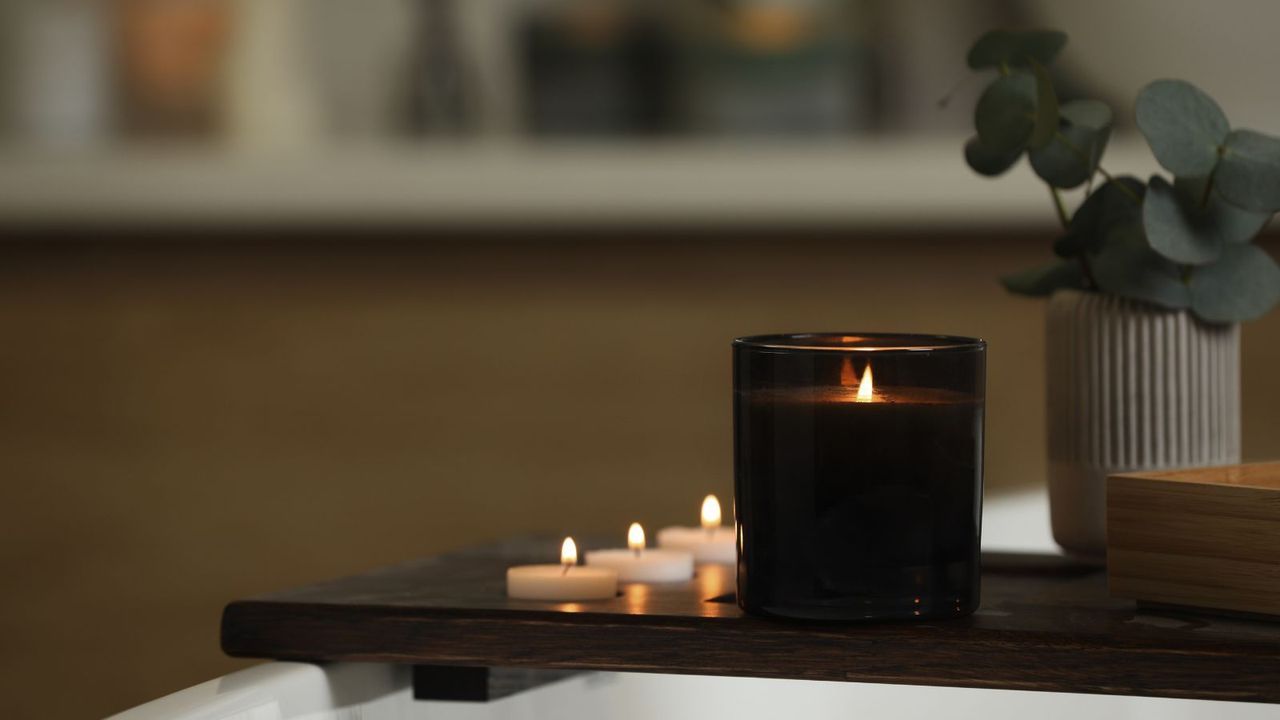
{"points": [[635, 537], [568, 554], [710, 512], [866, 388]]}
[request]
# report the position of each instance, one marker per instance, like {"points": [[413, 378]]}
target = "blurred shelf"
{"points": [[885, 183]]}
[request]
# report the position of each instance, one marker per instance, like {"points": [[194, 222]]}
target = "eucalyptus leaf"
{"points": [[1183, 126], [1233, 224], [1016, 49], [1115, 204], [1173, 231], [1128, 267], [1248, 175], [1093, 114], [986, 161], [1244, 284], [1046, 122], [1073, 155], [1189, 225], [1043, 281], [1006, 112]]}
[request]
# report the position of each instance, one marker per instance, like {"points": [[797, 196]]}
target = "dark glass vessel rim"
{"points": [[860, 342]]}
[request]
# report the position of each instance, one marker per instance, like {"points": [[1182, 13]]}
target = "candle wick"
{"points": [[565, 571], [637, 552]]}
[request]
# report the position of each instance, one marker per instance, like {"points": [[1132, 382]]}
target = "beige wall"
{"points": [[183, 425]]}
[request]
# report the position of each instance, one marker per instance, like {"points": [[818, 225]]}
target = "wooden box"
{"points": [[1206, 538]]}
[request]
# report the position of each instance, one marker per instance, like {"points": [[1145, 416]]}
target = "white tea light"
{"points": [[710, 543], [566, 581], [638, 564]]}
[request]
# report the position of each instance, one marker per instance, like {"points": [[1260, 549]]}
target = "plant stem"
{"points": [[1087, 271], [945, 100], [1062, 209], [1208, 186], [1080, 155], [1137, 199]]}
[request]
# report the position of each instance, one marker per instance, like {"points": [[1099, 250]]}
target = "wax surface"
{"points": [[552, 582], [849, 395], [719, 545], [650, 566]]}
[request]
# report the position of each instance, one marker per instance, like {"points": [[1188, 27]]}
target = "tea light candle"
{"points": [[566, 581], [710, 543], [637, 564]]}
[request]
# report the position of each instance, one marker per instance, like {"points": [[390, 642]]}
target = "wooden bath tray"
{"points": [[1044, 624]]}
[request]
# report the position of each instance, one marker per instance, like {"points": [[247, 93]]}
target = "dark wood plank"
{"points": [[1044, 624]]}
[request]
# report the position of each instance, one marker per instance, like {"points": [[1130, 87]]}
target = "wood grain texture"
{"points": [[1202, 538], [1045, 624]]}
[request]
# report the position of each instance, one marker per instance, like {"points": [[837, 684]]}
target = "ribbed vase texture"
{"points": [[1131, 386]]}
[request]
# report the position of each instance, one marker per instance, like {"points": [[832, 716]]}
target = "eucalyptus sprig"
{"points": [[1179, 243]]}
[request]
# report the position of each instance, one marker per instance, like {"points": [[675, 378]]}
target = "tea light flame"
{"points": [[635, 537], [710, 512], [568, 553], [865, 388]]}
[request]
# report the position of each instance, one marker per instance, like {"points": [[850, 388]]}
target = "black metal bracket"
{"points": [[479, 684]]}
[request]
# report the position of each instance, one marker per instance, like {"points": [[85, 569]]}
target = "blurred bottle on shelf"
{"points": [[486, 38], [290, 73], [272, 101], [779, 67], [56, 71], [170, 64], [361, 55], [597, 68], [440, 96], [398, 68]]}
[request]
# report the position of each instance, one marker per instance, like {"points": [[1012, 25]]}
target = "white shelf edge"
{"points": [[918, 183]]}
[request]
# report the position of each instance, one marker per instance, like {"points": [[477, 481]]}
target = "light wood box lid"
{"points": [[1263, 476], [1203, 537]]}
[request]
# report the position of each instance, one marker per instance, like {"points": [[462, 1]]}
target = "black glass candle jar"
{"points": [[858, 474]]}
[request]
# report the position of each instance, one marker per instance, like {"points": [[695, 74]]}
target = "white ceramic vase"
{"points": [[1131, 386]]}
